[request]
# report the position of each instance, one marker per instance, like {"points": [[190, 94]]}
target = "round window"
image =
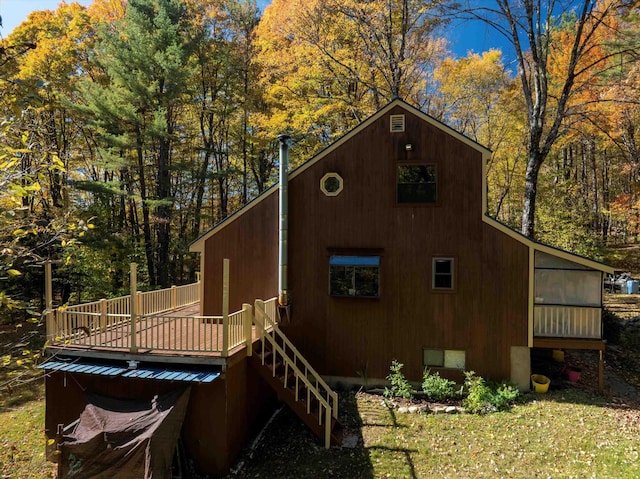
{"points": [[331, 184]]}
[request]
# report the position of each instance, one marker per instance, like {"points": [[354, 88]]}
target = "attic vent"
{"points": [[397, 123]]}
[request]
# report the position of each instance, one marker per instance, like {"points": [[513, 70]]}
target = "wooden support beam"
{"points": [[48, 288], [568, 343], [225, 307], [133, 309], [601, 371]]}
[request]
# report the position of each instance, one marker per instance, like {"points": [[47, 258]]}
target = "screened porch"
{"points": [[568, 299]]}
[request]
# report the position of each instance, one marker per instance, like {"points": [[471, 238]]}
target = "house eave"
{"points": [[537, 246]]}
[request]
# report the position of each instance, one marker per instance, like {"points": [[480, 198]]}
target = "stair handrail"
{"points": [[330, 402], [330, 392]]}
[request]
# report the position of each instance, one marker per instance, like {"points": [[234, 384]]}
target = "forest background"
{"points": [[127, 129]]}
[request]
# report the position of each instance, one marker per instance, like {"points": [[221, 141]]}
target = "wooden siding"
{"points": [[220, 418], [251, 244], [485, 315]]}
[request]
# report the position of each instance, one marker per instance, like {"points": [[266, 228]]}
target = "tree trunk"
{"points": [[530, 193], [163, 214], [146, 222]]}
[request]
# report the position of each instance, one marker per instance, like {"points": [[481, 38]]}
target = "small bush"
{"points": [[611, 326], [437, 388], [400, 386], [482, 398]]}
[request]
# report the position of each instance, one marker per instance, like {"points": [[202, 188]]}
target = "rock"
{"points": [[403, 410], [413, 409], [350, 441]]}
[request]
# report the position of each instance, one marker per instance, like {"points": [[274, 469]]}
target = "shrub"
{"points": [[437, 388], [482, 398], [611, 326], [400, 387]]}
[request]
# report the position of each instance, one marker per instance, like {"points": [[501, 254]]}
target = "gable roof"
{"points": [[198, 244]]}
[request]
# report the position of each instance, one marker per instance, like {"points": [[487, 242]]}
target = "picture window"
{"points": [[417, 184], [354, 276]]}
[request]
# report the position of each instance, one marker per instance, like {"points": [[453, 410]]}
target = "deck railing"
{"points": [[285, 353], [567, 322], [103, 323], [108, 324]]}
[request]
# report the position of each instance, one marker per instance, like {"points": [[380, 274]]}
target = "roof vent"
{"points": [[397, 123]]}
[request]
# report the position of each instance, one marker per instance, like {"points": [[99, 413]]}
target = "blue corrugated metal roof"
{"points": [[171, 375], [78, 367], [140, 372]]}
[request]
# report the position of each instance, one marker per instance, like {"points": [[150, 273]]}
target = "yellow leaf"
{"points": [[14, 272]]}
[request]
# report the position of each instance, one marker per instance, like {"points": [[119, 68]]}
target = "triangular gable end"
{"points": [[198, 245]]}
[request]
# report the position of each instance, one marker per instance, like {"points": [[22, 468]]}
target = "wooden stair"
{"points": [[294, 380], [305, 405]]}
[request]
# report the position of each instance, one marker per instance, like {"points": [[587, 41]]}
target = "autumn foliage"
{"points": [[128, 128]]}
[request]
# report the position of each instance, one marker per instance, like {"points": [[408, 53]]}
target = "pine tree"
{"points": [[135, 109]]}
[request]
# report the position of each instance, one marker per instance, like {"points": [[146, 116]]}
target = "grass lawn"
{"points": [[567, 433], [22, 439], [563, 434]]}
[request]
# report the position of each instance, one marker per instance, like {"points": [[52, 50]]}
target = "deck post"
{"points": [[259, 309], [601, 371], [133, 307], [174, 297], [327, 428], [225, 307], [48, 293], [103, 315], [247, 318]]}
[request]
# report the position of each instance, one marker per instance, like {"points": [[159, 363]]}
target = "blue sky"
{"points": [[14, 12], [463, 37]]}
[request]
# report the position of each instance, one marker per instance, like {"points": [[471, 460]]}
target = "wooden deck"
{"points": [[175, 335]]}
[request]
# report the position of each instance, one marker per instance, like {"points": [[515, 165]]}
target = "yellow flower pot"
{"points": [[540, 383]]}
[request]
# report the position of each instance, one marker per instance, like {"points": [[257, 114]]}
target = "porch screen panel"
{"points": [[568, 287]]}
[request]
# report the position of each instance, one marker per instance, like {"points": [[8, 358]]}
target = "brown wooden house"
{"points": [[383, 251], [391, 255]]}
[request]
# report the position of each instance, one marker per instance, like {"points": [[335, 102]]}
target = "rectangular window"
{"points": [[417, 184], [442, 269], [356, 276], [444, 358]]}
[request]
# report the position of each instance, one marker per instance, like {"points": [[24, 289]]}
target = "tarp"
{"points": [[124, 439]]}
